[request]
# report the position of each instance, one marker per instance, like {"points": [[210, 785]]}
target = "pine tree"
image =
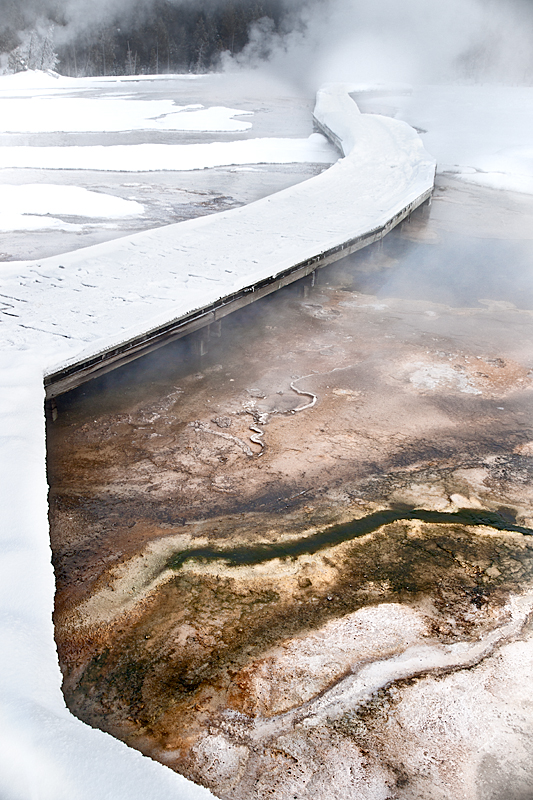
{"points": [[36, 51], [131, 62]]}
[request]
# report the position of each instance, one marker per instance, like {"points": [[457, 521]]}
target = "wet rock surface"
{"points": [[392, 665]]}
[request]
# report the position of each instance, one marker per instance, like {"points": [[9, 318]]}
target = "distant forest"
{"points": [[162, 36]]}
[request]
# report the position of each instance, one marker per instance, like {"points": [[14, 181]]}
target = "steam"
{"points": [[80, 17], [418, 41]]}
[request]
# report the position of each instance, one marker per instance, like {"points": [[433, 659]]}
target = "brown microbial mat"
{"points": [[301, 564]]}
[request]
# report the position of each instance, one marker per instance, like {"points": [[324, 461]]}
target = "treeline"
{"points": [[170, 38], [162, 36]]}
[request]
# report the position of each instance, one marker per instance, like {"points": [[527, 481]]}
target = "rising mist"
{"points": [[308, 41]]}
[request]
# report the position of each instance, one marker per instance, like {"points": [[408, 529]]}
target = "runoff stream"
{"points": [[285, 546]]}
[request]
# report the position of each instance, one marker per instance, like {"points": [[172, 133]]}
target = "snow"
{"points": [[481, 134], [196, 262], [175, 157], [27, 107], [47, 79], [35, 79], [45, 753], [75, 114], [32, 206], [48, 114], [60, 309]]}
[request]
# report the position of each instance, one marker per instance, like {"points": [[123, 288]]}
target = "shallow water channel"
{"points": [[293, 553]]}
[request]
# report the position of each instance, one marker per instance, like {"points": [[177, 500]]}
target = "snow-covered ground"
{"points": [[488, 136], [480, 134], [45, 753], [58, 309]]}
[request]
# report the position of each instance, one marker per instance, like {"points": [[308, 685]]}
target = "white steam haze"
{"points": [[415, 41]]}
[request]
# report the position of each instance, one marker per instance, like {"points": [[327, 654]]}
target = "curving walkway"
{"points": [[69, 313], [116, 300]]}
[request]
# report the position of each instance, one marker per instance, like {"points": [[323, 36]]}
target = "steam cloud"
{"points": [[323, 40], [419, 41]]}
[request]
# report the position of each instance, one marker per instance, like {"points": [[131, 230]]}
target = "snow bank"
{"points": [[61, 309], [45, 753], [34, 79], [176, 157]]}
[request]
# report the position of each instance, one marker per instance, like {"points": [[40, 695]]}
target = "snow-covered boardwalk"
{"points": [[73, 311], [100, 302]]}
